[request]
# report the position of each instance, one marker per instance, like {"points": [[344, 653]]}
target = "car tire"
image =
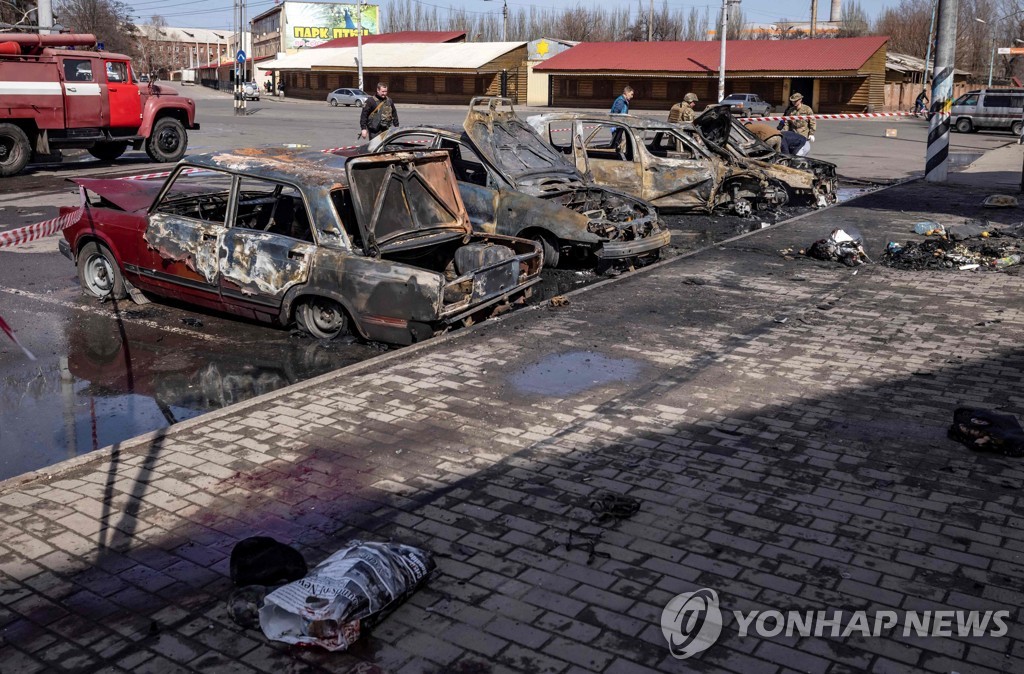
{"points": [[98, 272], [108, 151], [322, 318], [963, 125], [167, 140], [334, 102], [549, 245], [15, 149], [1017, 128]]}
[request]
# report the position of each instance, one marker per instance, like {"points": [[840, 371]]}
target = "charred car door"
{"points": [[612, 155], [677, 172], [268, 247], [183, 231]]}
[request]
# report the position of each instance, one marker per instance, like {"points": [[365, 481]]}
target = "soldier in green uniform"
{"points": [[805, 127], [683, 112]]}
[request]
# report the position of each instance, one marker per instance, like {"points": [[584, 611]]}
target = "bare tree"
{"points": [[109, 20], [17, 13], [854, 22]]}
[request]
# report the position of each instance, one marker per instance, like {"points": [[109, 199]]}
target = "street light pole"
{"points": [[359, 42], [721, 57]]}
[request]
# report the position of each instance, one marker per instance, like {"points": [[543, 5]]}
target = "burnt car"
{"points": [[382, 249], [718, 126], [662, 163], [501, 163]]}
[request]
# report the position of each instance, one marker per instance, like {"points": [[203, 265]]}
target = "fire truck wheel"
{"points": [[168, 140], [108, 151], [15, 149]]}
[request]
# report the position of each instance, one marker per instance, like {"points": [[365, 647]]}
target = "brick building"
{"points": [[166, 51]]}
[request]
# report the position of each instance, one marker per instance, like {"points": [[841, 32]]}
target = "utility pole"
{"points": [[814, 17], [937, 156], [721, 58], [928, 55], [44, 16], [240, 56], [359, 42], [650, 24], [504, 21]]}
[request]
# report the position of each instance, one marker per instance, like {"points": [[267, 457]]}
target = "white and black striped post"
{"points": [[937, 156]]}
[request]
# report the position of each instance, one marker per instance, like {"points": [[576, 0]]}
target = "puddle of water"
{"points": [[573, 372], [844, 194]]}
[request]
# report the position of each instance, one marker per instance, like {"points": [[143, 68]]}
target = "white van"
{"points": [[1001, 109]]}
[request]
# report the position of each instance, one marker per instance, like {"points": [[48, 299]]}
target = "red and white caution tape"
{"points": [[852, 115], [338, 149], [162, 174], [14, 338], [39, 230]]}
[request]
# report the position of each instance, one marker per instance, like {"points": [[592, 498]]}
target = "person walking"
{"points": [[805, 127], [771, 136], [685, 111], [620, 106], [378, 115], [921, 103]]}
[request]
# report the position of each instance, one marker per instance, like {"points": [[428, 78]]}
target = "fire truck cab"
{"points": [[53, 97]]}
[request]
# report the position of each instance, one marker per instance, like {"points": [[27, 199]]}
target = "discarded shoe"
{"points": [[986, 431], [1000, 201]]}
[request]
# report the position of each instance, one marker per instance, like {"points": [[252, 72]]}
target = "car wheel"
{"points": [[334, 102], [98, 272], [167, 141], [550, 247], [1017, 128], [963, 125], [15, 150], [108, 151], [322, 318]]}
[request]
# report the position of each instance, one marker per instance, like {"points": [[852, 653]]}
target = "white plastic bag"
{"points": [[352, 589]]}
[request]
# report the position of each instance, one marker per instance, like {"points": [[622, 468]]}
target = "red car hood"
{"points": [[128, 195]]}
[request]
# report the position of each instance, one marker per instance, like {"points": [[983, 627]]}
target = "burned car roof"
{"points": [[284, 164]]}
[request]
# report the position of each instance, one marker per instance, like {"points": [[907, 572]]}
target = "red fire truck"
{"points": [[53, 97]]}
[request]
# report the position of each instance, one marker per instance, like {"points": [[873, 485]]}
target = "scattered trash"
{"points": [[969, 267], [261, 560], [985, 431], [192, 322], [351, 590], [1007, 261], [609, 506], [929, 228], [1000, 201], [559, 301], [765, 225], [839, 247], [890, 133], [781, 319], [988, 250], [588, 543], [244, 604]]}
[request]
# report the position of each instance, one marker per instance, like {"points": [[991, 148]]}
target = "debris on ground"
{"points": [[261, 560], [192, 322], [985, 431], [1000, 201], [559, 301], [968, 247], [244, 604], [350, 591], [839, 247], [608, 506]]}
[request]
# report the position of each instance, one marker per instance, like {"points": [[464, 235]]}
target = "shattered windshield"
{"points": [[517, 150]]}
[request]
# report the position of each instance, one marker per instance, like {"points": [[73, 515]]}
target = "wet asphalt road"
{"points": [[106, 372]]}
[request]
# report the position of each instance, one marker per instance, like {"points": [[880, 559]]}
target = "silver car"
{"points": [[747, 105], [347, 97], [1001, 109]]}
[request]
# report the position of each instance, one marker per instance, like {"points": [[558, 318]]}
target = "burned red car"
{"points": [[383, 249]]}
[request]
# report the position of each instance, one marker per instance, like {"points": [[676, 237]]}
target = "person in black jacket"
{"points": [[379, 114]]}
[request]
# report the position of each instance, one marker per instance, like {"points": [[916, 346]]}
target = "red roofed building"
{"points": [[415, 36], [834, 75]]}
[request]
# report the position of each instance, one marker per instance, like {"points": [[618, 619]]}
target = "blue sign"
{"points": [[240, 56]]}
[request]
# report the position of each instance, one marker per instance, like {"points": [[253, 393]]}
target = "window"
{"points": [[467, 164], [78, 70], [605, 141], [968, 99], [482, 84], [397, 84], [424, 85], [199, 196], [603, 89], [1002, 101], [643, 89], [117, 71], [560, 134], [664, 143], [272, 207], [568, 88], [453, 85]]}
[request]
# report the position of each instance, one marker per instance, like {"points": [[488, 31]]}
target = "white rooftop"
{"points": [[449, 56]]}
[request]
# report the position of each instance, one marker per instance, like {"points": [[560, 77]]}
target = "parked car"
{"points": [[501, 163], [719, 128], [1001, 109], [746, 105], [660, 163], [383, 249], [347, 97], [251, 91]]}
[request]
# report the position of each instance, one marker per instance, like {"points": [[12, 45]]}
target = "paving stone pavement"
{"points": [[781, 420]]}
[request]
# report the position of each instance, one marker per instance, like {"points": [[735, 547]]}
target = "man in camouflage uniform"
{"points": [[683, 112], [805, 127], [379, 114]]}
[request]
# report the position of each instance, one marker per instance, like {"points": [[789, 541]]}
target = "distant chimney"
{"points": [[837, 11]]}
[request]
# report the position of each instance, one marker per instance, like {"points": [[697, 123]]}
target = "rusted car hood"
{"points": [[512, 146]]}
